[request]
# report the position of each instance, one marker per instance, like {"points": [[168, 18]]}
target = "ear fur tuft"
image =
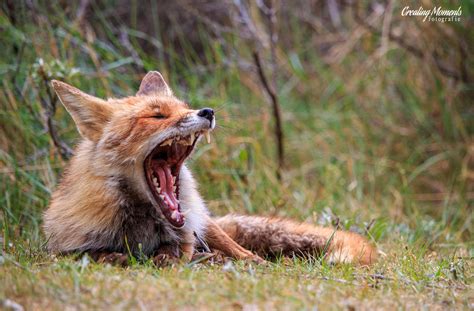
{"points": [[88, 112], [154, 84]]}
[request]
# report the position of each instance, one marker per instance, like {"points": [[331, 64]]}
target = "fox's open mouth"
{"points": [[162, 168]]}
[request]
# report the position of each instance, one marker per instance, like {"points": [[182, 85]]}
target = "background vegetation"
{"points": [[377, 137]]}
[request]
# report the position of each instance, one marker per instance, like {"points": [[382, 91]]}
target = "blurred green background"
{"points": [[377, 108]]}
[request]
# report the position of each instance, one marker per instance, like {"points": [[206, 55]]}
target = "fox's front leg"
{"points": [[217, 239], [173, 254], [187, 246], [167, 255]]}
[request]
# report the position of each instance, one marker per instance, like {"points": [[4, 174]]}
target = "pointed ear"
{"points": [[88, 112], [153, 83]]}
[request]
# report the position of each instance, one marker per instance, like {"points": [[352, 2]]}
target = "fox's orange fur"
{"points": [[104, 204]]}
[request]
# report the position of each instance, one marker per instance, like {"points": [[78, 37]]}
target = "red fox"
{"points": [[128, 190]]}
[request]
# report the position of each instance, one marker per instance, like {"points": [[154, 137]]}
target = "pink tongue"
{"points": [[166, 185], [171, 207]]}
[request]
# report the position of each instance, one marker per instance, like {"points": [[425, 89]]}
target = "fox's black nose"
{"points": [[207, 113]]}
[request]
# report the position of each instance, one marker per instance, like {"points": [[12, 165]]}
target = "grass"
{"points": [[408, 283], [381, 141]]}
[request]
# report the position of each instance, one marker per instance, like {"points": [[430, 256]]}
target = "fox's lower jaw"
{"points": [[162, 167]]}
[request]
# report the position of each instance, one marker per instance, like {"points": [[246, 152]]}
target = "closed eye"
{"points": [[159, 116]]}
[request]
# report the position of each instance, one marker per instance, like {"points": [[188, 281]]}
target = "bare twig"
{"points": [[125, 40], [258, 42], [251, 32], [369, 226], [201, 243], [50, 104], [334, 13], [276, 112], [270, 13], [82, 10], [387, 20]]}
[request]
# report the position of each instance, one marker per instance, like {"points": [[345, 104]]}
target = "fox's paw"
{"points": [[254, 259], [250, 257], [165, 260], [167, 256], [218, 257], [116, 259], [257, 259]]}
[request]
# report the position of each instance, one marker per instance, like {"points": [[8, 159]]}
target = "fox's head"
{"points": [[145, 137]]}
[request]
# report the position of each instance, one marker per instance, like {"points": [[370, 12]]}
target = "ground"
{"points": [[404, 278]]}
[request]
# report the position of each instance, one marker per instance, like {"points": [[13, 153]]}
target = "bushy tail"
{"points": [[275, 236]]}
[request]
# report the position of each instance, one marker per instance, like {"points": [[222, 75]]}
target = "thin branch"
{"points": [[82, 10], [262, 42], [276, 111], [125, 40], [272, 20], [50, 104]]}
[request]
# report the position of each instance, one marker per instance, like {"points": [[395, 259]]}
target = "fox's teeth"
{"points": [[174, 188], [208, 137], [155, 181], [162, 197], [174, 180], [174, 215], [186, 141], [159, 189], [167, 142]]}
